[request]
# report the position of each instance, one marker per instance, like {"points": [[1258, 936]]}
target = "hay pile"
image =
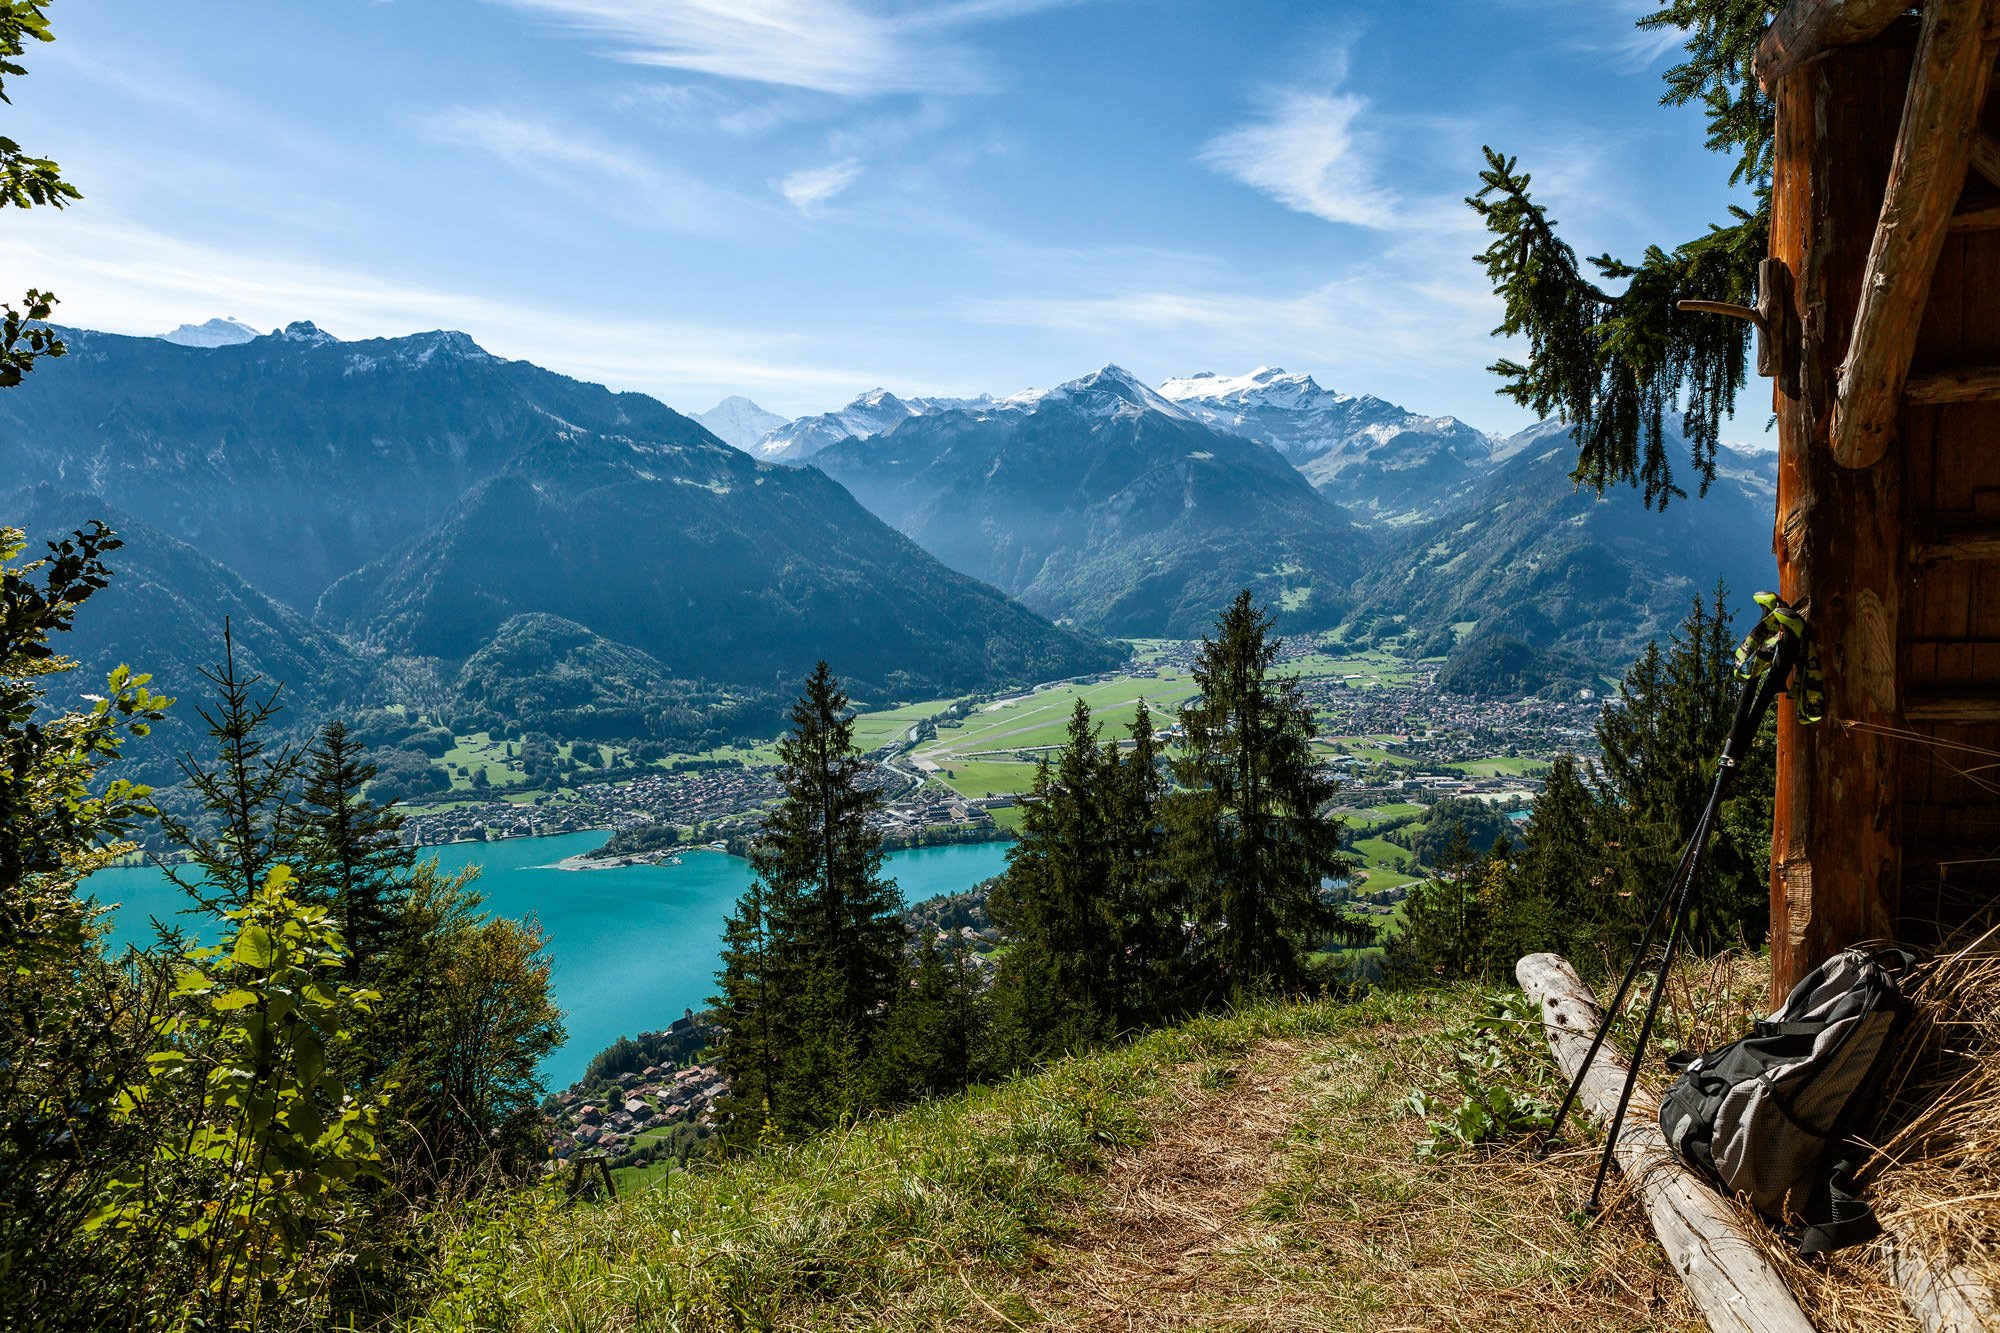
{"points": [[1935, 1179]]}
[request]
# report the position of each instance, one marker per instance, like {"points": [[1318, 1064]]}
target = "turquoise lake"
{"points": [[633, 947]]}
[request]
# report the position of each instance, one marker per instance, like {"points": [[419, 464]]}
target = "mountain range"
{"points": [[374, 512], [396, 501], [1101, 504]]}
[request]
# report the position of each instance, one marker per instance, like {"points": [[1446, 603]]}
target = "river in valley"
{"points": [[634, 947]]}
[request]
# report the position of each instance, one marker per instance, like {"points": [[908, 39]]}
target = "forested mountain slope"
{"points": [[717, 566]]}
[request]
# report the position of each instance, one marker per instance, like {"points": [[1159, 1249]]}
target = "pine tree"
{"points": [[750, 993], [352, 853], [1059, 902], [833, 939], [1146, 966], [248, 795], [931, 1042], [1249, 838], [1443, 918], [1617, 363]]}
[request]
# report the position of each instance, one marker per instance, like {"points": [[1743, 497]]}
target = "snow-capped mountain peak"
{"points": [[1108, 391], [1267, 385], [224, 332], [738, 421]]}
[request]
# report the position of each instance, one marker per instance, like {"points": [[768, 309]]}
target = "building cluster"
{"points": [[686, 798], [611, 1117]]}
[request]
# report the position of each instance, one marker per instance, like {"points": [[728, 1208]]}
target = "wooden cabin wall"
{"points": [[1888, 813], [1950, 638], [1836, 865]]}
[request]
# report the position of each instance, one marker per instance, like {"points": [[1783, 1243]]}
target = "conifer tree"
{"points": [[833, 938], [1249, 838], [1443, 918], [931, 1043], [1609, 351], [248, 792], [748, 1005], [352, 853], [1059, 901], [1148, 906]]}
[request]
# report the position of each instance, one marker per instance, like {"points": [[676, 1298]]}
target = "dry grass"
{"points": [[1289, 1194], [1936, 1177]]}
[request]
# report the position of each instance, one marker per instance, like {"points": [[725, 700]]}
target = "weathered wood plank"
{"points": [[1705, 1240], [1947, 89], [1945, 546], [1986, 156], [1986, 218], [1804, 30], [1967, 384], [1836, 872], [1938, 706]]}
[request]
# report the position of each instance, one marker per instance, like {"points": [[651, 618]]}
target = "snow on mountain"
{"points": [[1110, 391], [1380, 459], [738, 421], [214, 333], [869, 414]]}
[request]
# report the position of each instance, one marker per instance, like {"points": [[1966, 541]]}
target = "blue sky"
{"points": [[800, 199]]}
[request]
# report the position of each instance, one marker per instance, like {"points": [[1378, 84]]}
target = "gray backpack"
{"points": [[1766, 1117]]}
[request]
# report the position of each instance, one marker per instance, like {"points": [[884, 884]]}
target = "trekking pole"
{"points": [[1751, 706]]}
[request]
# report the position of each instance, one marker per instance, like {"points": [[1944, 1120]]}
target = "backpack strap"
{"points": [[1835, 1217]]}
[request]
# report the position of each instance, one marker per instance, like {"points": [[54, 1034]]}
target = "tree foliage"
{"points": [[26, 181], [814, 952], [1608, 350], [1249, 837]]}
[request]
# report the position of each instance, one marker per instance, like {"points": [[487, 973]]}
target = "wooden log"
{"points": [[1805, 30], [1968, 384], [1933, 149], [1944, 1298], [1736, 1287], [1986, 218], [1947, 546], [1935, 706], [1836, 870]]}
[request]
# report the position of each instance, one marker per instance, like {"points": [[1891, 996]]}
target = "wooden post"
{"points": [[1836, 856], [1940, 121]]}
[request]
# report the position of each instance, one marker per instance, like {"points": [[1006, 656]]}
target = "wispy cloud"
{"points": [[630, 187], [1307, 152], [807, 190], [848, 47], [124, 277]]}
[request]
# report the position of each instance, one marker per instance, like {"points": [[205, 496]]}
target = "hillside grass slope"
{"points": [[1257, 1171]]}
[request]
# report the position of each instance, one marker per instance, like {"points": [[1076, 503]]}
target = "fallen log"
{"points": [[1736, 1288], [1944, 1298]]}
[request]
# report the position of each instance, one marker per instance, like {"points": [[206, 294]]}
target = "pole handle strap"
{"points": [[1760, 649]]}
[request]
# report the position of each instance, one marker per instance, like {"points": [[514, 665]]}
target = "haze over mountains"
{"points": [[375, 511], [414, 496]]}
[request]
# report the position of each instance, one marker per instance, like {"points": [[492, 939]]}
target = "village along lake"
{"points": [[634, 946]]}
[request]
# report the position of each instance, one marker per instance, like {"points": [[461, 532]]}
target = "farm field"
{"points": [[980, 756]]}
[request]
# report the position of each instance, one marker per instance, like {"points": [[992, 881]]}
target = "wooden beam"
{"points": [[1836, 872], [1937, 706], [1967, 384], [1703, 1235], [1986, 157], [1948, 546], [1933, 147], [1805, 30], [1977, 219]]}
